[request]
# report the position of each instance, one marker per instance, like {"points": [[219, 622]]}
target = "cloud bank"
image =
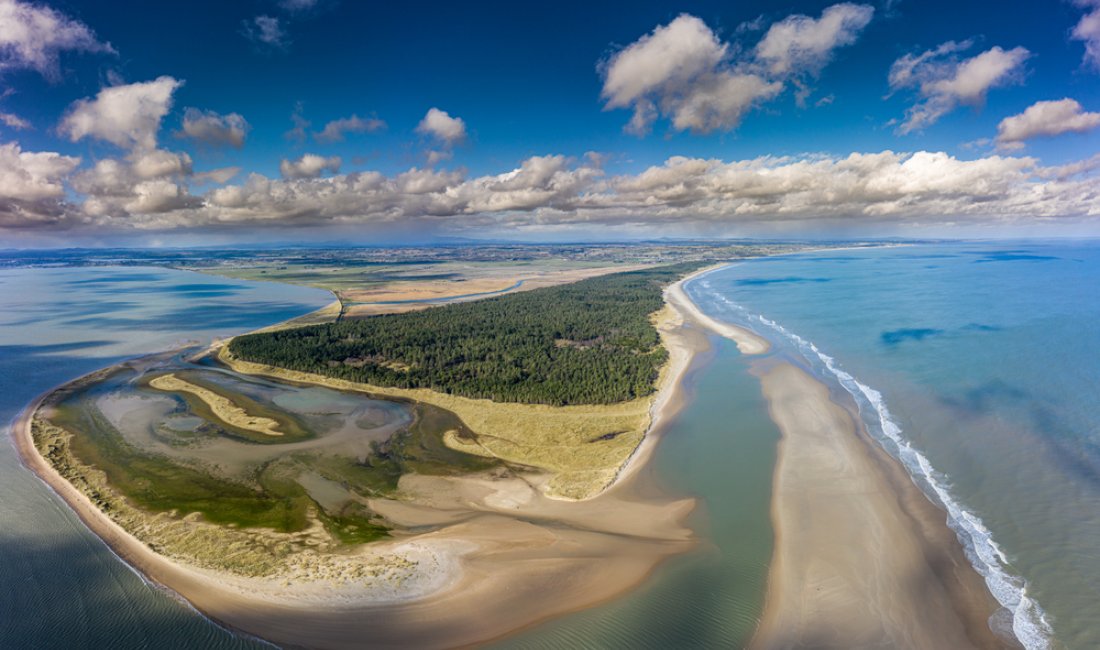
{"points": [[151, 190]]}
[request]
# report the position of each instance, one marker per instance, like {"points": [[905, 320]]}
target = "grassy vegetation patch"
{"points": [[157, 484]]}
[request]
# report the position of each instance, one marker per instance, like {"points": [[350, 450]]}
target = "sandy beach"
{"points": [[504, 556], [748, 342], [862, 558]]}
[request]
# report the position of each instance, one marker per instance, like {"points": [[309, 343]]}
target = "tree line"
{"points": [[589, 342]]}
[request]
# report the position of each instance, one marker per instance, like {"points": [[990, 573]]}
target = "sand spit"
{"points": [[503, 555], [862, 558], [222, 407], [748, 342]]}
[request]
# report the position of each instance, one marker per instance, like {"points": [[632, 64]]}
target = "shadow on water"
{"points": [[1042, 424], [205, 316], [894, 338]]}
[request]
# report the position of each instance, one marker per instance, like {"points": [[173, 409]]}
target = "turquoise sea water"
{"points": [[978, 365], [60, 587]]}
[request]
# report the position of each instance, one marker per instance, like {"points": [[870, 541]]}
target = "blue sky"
{"points": [[532, 81]]}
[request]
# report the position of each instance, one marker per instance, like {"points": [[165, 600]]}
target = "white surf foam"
{"points": [[1029, 621]]}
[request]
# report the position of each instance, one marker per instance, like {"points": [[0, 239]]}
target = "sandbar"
{"points": [[748, 342], [862, 558]]}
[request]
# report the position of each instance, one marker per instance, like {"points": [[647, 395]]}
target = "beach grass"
{"points": [[582, 447]]}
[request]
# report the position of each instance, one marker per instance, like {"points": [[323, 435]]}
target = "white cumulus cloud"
{"points": [[336, 130], [157, 163], [31, 176], [1088, 30], [309, 166], [801, 43], [942, 82], [214, 129], [686, 73], [127, 116], [440, 125], [32, 187], [33, 37], [680, 70], [1046, 119]]}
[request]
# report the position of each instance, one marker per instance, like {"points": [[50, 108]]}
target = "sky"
{"points": [[171, 123]]}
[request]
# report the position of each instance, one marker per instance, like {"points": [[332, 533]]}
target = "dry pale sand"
{"points": [[503, 556], [222, 407], [862, 558], [748, 342]]}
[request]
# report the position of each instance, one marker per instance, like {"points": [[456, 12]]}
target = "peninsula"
{"points": [[289, 476]]}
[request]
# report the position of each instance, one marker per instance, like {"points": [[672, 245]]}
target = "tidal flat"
{"points": [[164, 450]]}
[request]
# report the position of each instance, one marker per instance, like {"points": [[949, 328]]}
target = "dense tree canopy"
{"points": [[589, 342]]}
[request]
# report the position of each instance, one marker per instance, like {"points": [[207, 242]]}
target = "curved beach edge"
{"points": [[579, 555]]}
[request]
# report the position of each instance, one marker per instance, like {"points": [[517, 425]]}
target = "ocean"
{"points": [[978, 366], [61, 586]]}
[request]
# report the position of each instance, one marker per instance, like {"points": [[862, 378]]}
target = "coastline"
{"points": [[862, 557], [578, 554], [748, 342]]}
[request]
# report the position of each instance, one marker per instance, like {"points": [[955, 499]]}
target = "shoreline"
{"points": [[839, 499], [543, 557], [748, 342], [862, 558]]}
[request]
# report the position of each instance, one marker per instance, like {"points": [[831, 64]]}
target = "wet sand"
{"points": [[504, 558], [862, 558], [748, 342]]}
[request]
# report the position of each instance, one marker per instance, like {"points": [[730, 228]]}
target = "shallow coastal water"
{"points": [[62, 587], [721, 449], [978, 366]]}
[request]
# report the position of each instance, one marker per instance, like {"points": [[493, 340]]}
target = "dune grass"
{"points": [[582, 446]]}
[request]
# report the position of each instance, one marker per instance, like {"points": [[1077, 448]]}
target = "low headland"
{"points": [[552, 523]]}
